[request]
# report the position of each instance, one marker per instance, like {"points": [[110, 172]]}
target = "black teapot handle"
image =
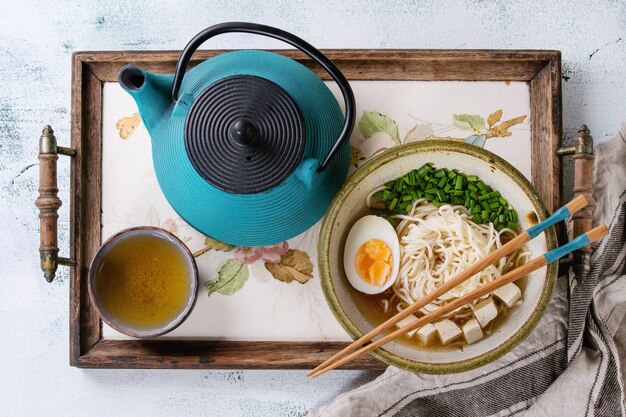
{"points": [[293, 40]]}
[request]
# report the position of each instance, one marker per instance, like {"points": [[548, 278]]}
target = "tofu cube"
{"points": [[426, 334], [509, 294], [472, 331], [447, 330], [406, 321], [485, 311]]}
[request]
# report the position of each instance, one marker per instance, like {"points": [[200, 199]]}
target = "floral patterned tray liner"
{"points": [[273, 293]]}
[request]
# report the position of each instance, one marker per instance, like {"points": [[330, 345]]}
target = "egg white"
{"points": [[367, 228]]}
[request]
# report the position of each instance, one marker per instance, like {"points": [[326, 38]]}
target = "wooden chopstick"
{"points": [[537, 263], [506, 249]]}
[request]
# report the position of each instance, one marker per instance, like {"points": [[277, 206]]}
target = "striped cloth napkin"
{"points": [[570, 365]]}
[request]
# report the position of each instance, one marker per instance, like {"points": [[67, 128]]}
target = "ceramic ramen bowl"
{"points": [[348, 206]]}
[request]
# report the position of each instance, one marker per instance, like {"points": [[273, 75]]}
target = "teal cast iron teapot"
{"points": [[249, 147]]}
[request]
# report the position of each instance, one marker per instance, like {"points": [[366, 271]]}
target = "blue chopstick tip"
{"points": [[558, 216], [556, 254]]}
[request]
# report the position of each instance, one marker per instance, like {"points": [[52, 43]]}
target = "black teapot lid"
{"points": [[244, 134]]}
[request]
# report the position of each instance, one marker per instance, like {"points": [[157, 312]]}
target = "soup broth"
{"points": [[143, 282]]}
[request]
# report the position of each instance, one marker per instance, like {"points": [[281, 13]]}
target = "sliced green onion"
{"points": [[459, 182], [448, 186]]}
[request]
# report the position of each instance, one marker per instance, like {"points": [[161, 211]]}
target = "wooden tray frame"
{"points": [[541, 69]]}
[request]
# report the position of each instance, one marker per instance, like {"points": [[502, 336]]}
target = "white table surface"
{"points": [[36, 42]]}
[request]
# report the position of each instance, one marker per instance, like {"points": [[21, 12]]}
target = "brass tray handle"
{"points": [[582, 154], [48, 203]]}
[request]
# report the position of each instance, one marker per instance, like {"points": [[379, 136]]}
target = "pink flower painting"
{"points": [[170, 225], [251, 254]]}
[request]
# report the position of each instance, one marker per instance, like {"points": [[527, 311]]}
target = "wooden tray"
{"points": [[540, 69]]}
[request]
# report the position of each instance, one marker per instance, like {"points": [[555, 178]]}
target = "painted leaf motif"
{"points": [[494, 117], [230, 278], [372, 122], [476, 140], [419, 132], [294, 265], [127, 125], [211, 243], [472, 122], [502, 130]]}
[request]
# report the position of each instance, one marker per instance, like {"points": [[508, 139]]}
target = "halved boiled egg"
{"points": [[372, 255]]}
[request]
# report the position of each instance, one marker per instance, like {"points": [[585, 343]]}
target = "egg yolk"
{"points": [[373, 262]]}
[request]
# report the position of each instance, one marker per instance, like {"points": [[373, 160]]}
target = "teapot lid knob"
{"points": [[244, 134], [242, 131]]}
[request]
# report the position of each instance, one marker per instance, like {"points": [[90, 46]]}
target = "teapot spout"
{"points": [[151, 92]]}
